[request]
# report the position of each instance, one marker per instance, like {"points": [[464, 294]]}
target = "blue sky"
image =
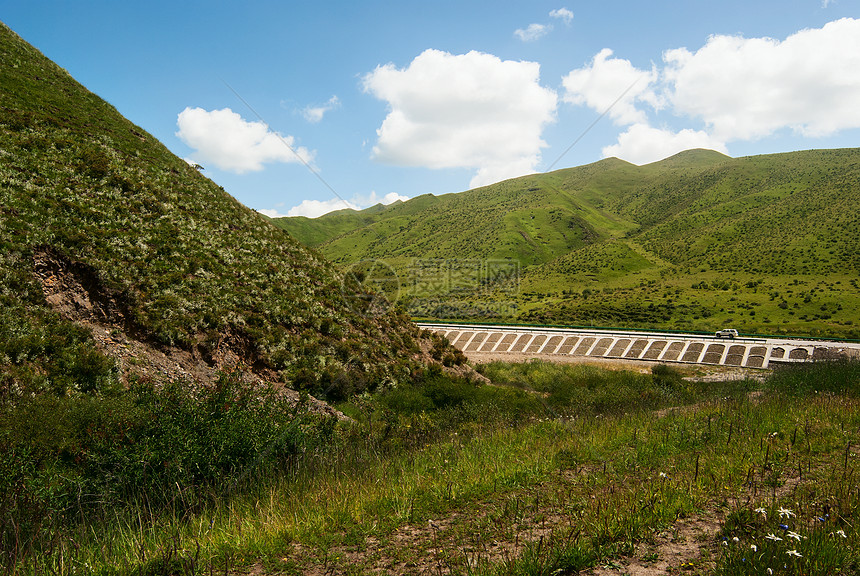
{"points": [[298, 107]]}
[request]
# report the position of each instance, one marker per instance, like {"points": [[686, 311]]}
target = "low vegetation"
{"points": [[111, 245], [551, 470], [101, 225], [767, 244]]}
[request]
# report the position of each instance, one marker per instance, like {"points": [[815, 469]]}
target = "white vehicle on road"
{"points": [[729, 333]]}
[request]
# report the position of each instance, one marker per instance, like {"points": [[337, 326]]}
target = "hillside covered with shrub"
{"points": [[118, 260], [697, 241]]}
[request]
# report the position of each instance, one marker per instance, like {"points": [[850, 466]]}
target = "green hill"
{"points": [[118, 260], [696, 241]]}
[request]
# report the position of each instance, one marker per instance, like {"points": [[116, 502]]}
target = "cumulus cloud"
{"points": [[315, 208], [375, 198], [641, 144], [392, 197], [223, 139], [533, 32], [562, 14], [744, 89], [314, 114], [273, 213], [739, 89], [463, 111], [612, 84]]}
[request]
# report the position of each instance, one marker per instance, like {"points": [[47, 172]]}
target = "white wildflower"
{"points": [[794, 553], [753, 547], [773, 537], [795, 535], [841, 533], [785, 513], [761, 511]]}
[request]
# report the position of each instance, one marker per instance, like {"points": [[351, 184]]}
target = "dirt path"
{"points": [[498, 530]]}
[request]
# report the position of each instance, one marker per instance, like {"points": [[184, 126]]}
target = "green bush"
{"points": [[64, 458], [578, 389], [666, 378], [840, 377], [451, 400]]}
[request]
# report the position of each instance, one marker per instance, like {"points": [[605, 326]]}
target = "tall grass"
{"points": [[557, 490], [838, 376]]}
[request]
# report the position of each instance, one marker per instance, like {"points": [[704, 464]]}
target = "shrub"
{"points": [[841, 376], [64, 458]]}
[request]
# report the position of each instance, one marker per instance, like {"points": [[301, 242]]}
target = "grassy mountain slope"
{"points": [[104, 232], [693, 242], [529, 220], [751, 213], [767, 243], [314, 231]]}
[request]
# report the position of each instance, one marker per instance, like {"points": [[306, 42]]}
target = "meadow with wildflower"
{"points": [[788, 544], [502, 479], [542, 470]]}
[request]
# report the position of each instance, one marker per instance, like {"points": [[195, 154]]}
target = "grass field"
{"points": [[544, 469], [553, 470]]}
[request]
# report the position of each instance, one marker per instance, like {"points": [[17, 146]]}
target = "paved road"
{"points": [[654, 346]]}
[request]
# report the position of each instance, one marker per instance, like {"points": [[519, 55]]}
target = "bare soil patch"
{"points": [[74, 290], [686, 545], [478, 535]]}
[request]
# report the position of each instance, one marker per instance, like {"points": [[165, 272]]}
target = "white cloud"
{"points": [[315, 208], [463, 111], [222, 138], [562, 14], [392, 197], [375, 199], [612, 84], [739, 88], [641, 144], [314, 114], [744, 89], [536, 31], [533, 32], [271, 213]]}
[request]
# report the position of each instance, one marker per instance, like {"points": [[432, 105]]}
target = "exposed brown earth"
{"points": [[74, 290]]}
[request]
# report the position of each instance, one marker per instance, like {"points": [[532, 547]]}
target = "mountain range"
{"points": [[694, 242]]}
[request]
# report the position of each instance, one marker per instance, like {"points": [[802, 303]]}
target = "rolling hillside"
{"points": [[530, 220], [697, 241], [118, 261]]}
